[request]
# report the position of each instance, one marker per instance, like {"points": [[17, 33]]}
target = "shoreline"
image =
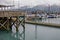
{"points": [[44, 24]]}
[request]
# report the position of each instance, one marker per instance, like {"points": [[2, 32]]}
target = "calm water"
{"points": [[32, 32], [52, 20]]}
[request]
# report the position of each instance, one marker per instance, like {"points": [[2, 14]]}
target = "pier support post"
{"points": [[18, 20], [4, 23], [15, 22]]}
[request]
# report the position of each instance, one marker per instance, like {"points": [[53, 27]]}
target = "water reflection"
{"points": [[5, 35], [35, 32], [31, 32], [18, 35], [50, 20]]}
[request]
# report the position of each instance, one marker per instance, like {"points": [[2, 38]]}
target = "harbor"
{"points": [[29, 20], [46, 22], [32, 32]]}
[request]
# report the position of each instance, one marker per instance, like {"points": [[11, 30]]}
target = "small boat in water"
{"points": [[51, 16]]}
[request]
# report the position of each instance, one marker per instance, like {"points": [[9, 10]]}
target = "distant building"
{"points": [[37, 14], [30, 15], [41, 14]]}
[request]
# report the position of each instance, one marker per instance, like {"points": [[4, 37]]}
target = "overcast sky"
{"points": [[31, 2]]}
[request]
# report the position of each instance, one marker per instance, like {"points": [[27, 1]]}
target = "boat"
{"points": [[51, 16]]}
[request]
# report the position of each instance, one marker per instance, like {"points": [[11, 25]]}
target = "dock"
{"points": [[10, 18], [44, 24], [17, 18]]}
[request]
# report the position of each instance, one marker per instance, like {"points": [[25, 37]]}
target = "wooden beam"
{"points": [[6, 5], [11, 13]]}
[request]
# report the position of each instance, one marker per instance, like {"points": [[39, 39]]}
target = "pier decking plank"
{"points": [[11, 13]]}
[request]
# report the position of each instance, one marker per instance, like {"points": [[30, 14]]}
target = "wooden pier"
{"points": [[10, 18], [11, 13]]}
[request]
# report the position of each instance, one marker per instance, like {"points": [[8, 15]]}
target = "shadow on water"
{"points": [[5, 35], [35, 32]]}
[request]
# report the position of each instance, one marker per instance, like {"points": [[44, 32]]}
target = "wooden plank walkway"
{"points": [[6, 18], [11, 13]]}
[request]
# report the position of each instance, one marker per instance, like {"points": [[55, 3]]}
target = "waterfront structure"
{"points": [[29, 15], [41, 14], [10, 18]]}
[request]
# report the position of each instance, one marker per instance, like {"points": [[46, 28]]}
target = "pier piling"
{"points": [[10, 18]]}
